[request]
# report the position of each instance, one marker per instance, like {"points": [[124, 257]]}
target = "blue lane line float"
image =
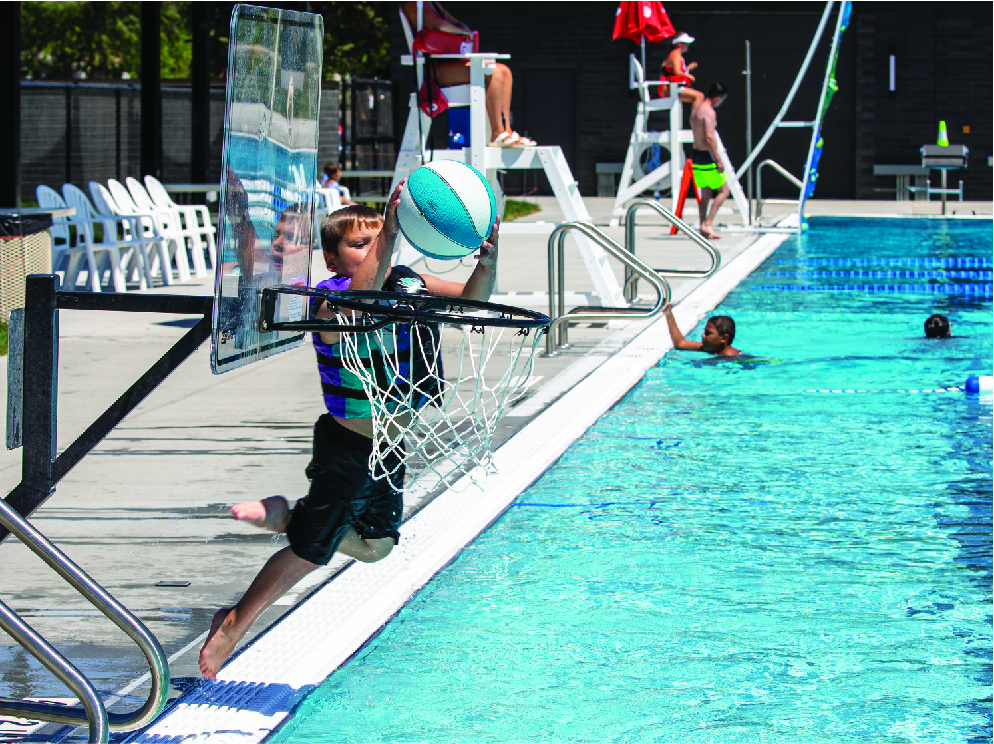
{"points": [[851, 392], [963, 262], [974, 290], [977, 275], [980, 384]]}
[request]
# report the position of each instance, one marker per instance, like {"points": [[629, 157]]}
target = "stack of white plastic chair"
{"points": [[156, 223], [119, 249], [195, 222], [134, 229], [173, 225]]}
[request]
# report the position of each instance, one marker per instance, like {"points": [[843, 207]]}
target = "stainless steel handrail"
{"points": [[631, 280], [560, 324], [115, 611], [759, 183], [62, 668]]}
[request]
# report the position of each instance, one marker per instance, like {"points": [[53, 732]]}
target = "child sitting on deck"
{"points": [[719, 332], [346, 510]]}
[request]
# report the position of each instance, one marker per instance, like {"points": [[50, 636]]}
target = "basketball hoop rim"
{"points": [[406, 308]]}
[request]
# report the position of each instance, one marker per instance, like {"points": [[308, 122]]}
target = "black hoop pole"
{"points": [[402, 308]]}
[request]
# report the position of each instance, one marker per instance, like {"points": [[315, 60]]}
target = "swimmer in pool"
{"points": [[719, 332], [937, 326]]}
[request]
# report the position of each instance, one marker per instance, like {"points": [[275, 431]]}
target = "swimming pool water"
{"points": [[727, 556]]}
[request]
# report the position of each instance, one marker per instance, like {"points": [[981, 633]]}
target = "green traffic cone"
{"points": [[943, 140]]}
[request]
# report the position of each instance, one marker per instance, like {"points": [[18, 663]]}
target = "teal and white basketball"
{"points": [[446, 209]]}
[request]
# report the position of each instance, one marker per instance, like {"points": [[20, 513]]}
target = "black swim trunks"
{"points": [[343, 494]]}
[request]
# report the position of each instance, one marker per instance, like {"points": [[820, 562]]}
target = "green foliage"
{"points": [[99, 39], [514, 208], [356, 38], [3, 337], [103, 39]]}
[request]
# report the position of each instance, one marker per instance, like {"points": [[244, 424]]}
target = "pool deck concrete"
{"points": [[151, 502]]}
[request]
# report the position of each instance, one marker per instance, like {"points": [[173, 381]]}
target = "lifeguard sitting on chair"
{"points": [[676, 70], [456, 72]]}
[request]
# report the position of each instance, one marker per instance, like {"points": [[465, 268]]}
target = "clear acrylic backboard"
{"points": [[269, 168]]}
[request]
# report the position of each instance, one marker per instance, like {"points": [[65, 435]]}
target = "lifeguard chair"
{"points": [[638, 175], [639, 172], [490, 160]]}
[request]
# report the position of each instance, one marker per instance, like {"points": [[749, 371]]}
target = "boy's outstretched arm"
{"points": [[679, 342], [480, 284], [373, 270]]}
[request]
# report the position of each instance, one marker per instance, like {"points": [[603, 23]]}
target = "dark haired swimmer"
{"points": [[937, 326], [719, 332]]}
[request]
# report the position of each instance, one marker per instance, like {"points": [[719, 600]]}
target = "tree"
{"points": [[63, 40]]}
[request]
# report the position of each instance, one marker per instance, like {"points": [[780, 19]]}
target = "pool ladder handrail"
{"points": [[631, 281], [759, 184], [557, 246], [634, 268], [94, 714]]}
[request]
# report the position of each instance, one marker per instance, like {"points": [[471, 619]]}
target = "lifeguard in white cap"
{"points": [[676, 70]]}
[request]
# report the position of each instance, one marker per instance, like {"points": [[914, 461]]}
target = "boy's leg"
{"points": [[281, 572], [368, 550], [277, 577]]}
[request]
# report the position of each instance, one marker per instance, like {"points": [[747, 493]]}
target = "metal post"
{"points": [[944, 172], [563, 329], [40, 389], [200, 72], [550, 337], [10, 93], [151, 94], [69, 89], [748, 80]]}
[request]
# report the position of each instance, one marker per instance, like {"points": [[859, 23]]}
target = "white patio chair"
{"points": [[121, 255], [68, 250], [156, 223], [134, 229], [195, 223], [144, 203]]}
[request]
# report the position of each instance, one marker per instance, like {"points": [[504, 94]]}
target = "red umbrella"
{"points": [[642, 21]]}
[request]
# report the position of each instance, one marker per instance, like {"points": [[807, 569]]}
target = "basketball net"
{"points": [[440, 426]]}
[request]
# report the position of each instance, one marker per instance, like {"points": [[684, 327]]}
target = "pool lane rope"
{"points": [[934, 390], [964, 262], [977, 290]]}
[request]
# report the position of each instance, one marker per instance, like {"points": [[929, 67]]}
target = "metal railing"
{"points": [[32, 424], [759, 184], [557, 248], [93, 712], [558, 334], [631, 279]]}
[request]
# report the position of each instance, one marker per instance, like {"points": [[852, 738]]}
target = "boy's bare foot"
{"points": [[220, 643], [271, 513], [709, 233]]}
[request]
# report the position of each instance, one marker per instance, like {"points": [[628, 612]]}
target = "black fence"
{"points": [[82, 132]]}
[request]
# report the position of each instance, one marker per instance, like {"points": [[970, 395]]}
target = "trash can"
{"points": [[25, 248]]}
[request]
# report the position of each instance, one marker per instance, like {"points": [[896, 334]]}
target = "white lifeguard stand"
{"points": [[490, 160], [634, 178]]}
